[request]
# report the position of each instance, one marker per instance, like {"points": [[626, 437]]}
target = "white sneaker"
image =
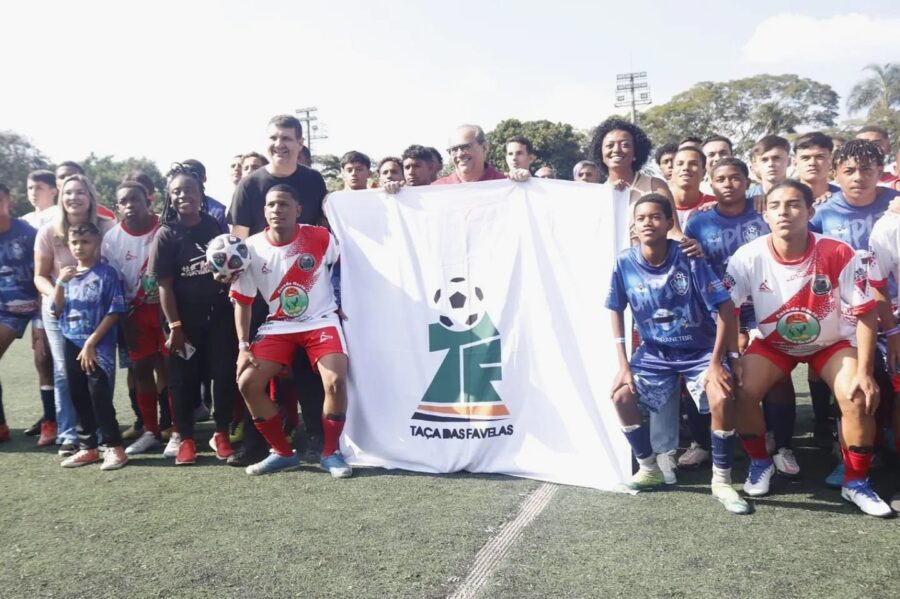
{"points": [[758, 478], [861, 493], [770, 442], [786, 463], [694, 457], [146, 442], [172, 446], [666, 463]]}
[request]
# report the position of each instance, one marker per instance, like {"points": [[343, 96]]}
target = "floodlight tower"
{"points": [[632, 90], [312, 130]]}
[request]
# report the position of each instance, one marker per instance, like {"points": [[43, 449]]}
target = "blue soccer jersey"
{"points": [[89, 297], [18, 295], [720, 236], [837, 218], [672, 303]]}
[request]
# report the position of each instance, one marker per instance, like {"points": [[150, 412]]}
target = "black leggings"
{"points": [[215, 340], [92, 397]]}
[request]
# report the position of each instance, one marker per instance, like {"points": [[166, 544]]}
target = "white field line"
{"points": [[493, 552]]}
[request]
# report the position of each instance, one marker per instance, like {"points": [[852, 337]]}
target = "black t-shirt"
{"points": [[179, 253], [250, 197]]}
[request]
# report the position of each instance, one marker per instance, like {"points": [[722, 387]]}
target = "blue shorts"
{"points": [[657, 370], [16, 322]]}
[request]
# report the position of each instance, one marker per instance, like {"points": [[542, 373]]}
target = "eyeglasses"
{"points": [[460, 148]]}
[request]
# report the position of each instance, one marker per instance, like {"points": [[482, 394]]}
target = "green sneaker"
{"points": [[728, 497], [644, 480]]}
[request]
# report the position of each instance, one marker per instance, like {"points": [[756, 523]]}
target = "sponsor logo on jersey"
{"points": [[265, 268], [764, 286], [798, 327], [325, 337], [129, 256], [293, 300]]}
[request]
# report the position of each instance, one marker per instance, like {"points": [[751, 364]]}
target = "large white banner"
{"points": [[477, 332]]}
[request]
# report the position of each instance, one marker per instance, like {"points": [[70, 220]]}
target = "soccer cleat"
{"points": [[171, 449], [666, 463], [4, 433], [728, 497], [759, 477], [786, 463], [133, 433], [146, 442], [237, 433], [219, 443], [643, 480], [895, 502], [860, 492], [835, 480], [336, 465], [48, 434], [274, 463], [187, 453], [114, 458], [82, 458], [694, 457], [67, 449], [35, 429]]}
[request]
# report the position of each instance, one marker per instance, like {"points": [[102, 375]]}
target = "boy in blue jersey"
{"points": [[88, 300], [18, 297], [849, 215], [672, 297]]}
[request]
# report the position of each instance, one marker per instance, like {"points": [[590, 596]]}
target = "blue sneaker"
{"points": [[336, 465], [860, 492], [835, 480], [759, 477], [274, 463]]}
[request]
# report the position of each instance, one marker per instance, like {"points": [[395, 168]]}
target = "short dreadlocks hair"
{"points": [[864, 151]]}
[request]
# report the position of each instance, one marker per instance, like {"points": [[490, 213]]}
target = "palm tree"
{"points": [[880, 92]]}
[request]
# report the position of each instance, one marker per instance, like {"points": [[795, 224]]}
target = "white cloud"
{"points": [[800, 38]]}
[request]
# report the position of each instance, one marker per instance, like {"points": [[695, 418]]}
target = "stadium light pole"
{"points": [[632, 90], [312, 131]]}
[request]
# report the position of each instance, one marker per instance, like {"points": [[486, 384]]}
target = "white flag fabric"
{"points": [[477, 332]]}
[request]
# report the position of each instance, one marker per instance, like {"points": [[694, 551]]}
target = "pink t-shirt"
{"points": [[490, 174], [47, 244]]}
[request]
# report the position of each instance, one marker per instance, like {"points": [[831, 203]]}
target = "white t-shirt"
{"points": [[129, 252], [39, 219], [294, 279], [806, 305], [884, 247]]}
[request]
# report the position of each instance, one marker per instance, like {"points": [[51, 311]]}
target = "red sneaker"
{"points": [[48, 434], [187, 453], [4, 433], [82, 458], [221, 445]]}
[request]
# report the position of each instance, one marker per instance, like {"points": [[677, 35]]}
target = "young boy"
{"points": [[289, 267], [126, 248], [771, 157], [88, 300], [356, 168], [19, 301], [688, 169], [802, 284], [672, 298], [664, 156], [812, 155]]}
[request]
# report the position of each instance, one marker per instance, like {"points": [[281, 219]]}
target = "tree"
{"points": [[744, 110], [329, 166], [18, 158], [878, 93], [555, 144], [106, 174]]}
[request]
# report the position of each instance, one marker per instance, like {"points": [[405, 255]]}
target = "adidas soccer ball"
{"points": [[227, 255], [459, 304]]}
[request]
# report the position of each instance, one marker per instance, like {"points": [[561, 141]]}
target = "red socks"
{"points": [[146, 403], [755, 446], [332, 427], [273, 433], [856, 463]]}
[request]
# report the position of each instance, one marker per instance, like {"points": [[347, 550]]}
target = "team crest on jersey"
{"points": [[821, 285], [679, 283], [306, 262], [16, 251], [799, 327], [751, 232], [294, 300], [728, 281]]}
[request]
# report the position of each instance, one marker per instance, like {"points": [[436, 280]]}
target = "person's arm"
{"points": [[87, 357], [43, 265], [169, 306], [59, 290], [624, 376], [866, 327], [242, 314]]}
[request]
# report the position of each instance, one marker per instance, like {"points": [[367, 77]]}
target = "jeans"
{"points": [[66, 418], [664, 424]]}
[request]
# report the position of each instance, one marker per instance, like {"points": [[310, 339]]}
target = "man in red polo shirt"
{"points": [[468, 151]]}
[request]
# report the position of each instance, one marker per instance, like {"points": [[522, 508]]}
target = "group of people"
{"points": [[730, 284]]}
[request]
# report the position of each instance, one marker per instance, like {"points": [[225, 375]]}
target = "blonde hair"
{"points": [[61, 230]]}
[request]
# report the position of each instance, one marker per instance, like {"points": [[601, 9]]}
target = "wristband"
{"points": [[620, 340], [892, 332], [734, 355], [242, 345], [61, 283], [175, 325]]}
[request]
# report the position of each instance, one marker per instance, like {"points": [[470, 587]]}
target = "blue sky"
{"points": [[201, 79]]}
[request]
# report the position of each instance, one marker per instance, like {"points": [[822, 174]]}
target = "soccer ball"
{"points": [[459, 304], [227, 255]]}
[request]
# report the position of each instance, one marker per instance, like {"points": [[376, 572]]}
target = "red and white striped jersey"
{"points": [[129, 252]]}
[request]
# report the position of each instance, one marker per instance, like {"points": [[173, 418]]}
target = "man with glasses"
{"points": [[468, 152]]}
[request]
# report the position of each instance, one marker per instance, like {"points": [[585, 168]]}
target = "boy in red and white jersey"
{"points": [[290, 265], [813, 304], [127, 248]]}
